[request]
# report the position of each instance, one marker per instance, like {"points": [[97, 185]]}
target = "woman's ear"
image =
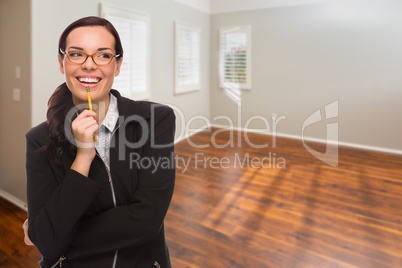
{"points": [[61, 64], [119, 62]]}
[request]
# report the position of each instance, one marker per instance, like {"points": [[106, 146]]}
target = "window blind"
{"points": [[133, 28], [235, 57]]}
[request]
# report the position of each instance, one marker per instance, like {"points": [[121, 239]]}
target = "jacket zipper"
{"points": [[113, 196], [111, 188], [108, 170], [60, 262], [111, 185]]}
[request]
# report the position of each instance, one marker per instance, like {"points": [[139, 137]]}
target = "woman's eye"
{"points": [[75, 54], [104, 55]]}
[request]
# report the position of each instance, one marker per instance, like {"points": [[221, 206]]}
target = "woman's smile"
{"points": [[88, 80]]}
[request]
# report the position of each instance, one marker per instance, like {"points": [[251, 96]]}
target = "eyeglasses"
{"points": [[79, 57]]}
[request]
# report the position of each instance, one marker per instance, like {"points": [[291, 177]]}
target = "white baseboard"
{"points": [[14, 200], [340, 143]]}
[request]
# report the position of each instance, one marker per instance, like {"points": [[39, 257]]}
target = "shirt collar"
{"points": [[128, 107], [112, 114]]}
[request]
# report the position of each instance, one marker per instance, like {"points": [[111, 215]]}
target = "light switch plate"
{"points": [[18, 72], [16, 94]]}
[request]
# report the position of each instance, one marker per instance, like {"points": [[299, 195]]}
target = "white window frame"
{"points": [[230, 30], [194, 58], [108, 12]]}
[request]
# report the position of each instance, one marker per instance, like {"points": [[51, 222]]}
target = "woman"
{"points": [[103, 203]]}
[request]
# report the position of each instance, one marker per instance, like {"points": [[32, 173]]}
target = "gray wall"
{"points": [[305, 57], [15, 117]]}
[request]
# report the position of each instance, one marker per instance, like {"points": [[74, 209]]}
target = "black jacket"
{"points": [[74, 216]]}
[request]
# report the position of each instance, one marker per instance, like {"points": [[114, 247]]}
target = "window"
{"points": [[133, 28], [235, 57], [188, 51]]}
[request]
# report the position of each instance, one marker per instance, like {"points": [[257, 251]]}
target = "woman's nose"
{"points": [[89, 63]]}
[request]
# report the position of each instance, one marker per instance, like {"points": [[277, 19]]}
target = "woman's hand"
{"points": [[26, 238], [84, 129]]}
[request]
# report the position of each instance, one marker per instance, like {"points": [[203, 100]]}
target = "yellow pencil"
{"points": [[90, 105]]}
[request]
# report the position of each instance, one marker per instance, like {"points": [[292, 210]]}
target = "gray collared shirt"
{"points": [[106, 129]]}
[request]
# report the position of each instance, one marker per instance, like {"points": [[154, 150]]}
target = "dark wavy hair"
{"points": [[61, 101]]}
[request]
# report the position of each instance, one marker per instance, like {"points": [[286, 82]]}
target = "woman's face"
{"points": [[99, 78]]}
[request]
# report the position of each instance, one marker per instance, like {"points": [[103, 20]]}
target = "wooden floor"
{"points": [[13, 251], [279, 206], [308, 214]]}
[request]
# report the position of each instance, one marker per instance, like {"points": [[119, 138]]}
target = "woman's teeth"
{"points": [[88, 80]]}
